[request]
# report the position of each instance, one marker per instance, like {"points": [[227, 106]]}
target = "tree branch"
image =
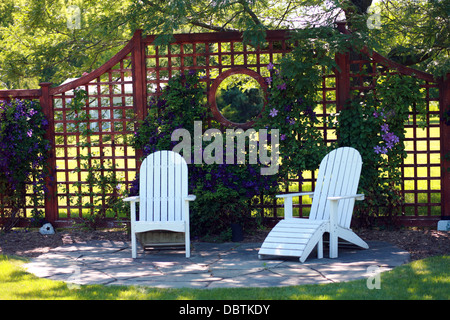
{"points": [[284, 14], [250, 12], [231, 19], [208, 26]]}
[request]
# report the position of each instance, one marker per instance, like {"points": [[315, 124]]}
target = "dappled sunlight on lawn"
{"points": [[422, 279]]}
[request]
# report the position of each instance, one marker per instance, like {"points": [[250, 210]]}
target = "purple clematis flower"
{"points": [[273, 112]]}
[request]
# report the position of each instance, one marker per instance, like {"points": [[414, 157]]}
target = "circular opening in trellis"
{"points": [[237, 97]]}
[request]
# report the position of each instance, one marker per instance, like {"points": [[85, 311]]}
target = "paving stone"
{"points": [[211, 265]]}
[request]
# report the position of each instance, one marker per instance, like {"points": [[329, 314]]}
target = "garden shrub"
{"points": [[372, 121], [290, 109], [294, 87], [374, 124], [224, 191], [23, 155]]}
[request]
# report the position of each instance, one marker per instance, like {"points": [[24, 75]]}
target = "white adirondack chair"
{"points": [[331, 211], [163, 197]]}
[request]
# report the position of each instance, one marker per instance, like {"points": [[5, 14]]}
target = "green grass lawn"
{"points": [[427, 279]]}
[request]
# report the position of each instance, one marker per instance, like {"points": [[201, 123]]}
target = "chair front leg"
{"points": [[333, 228], [133, 233]]}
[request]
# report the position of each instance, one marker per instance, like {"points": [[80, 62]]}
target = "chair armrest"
{"points": [[135, 199], [288, 201], [132, 201], [296, 194], [190, 197], [356, 196], [334, 204]]}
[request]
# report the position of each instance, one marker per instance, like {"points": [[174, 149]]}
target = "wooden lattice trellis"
{"points": [[119, 90]]}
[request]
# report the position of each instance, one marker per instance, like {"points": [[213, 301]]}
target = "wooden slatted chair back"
{"points": [[163, 186], [339, 174]]}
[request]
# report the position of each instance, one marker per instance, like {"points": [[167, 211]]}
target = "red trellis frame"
{"points": [[119, 90]]}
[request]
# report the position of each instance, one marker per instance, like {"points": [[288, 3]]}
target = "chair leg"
{"points": [[132, 225], [133, 245], [188, 244], [352, 237], [333, 245], [320, 248]]}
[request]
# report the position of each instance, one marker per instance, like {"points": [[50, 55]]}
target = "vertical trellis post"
{"points": [[444, 106], [51, 201], [342, 74], [139, 80]]}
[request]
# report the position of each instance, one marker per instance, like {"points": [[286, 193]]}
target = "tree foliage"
{"points": [[417, 33], [41, 41], [38, 42]]}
